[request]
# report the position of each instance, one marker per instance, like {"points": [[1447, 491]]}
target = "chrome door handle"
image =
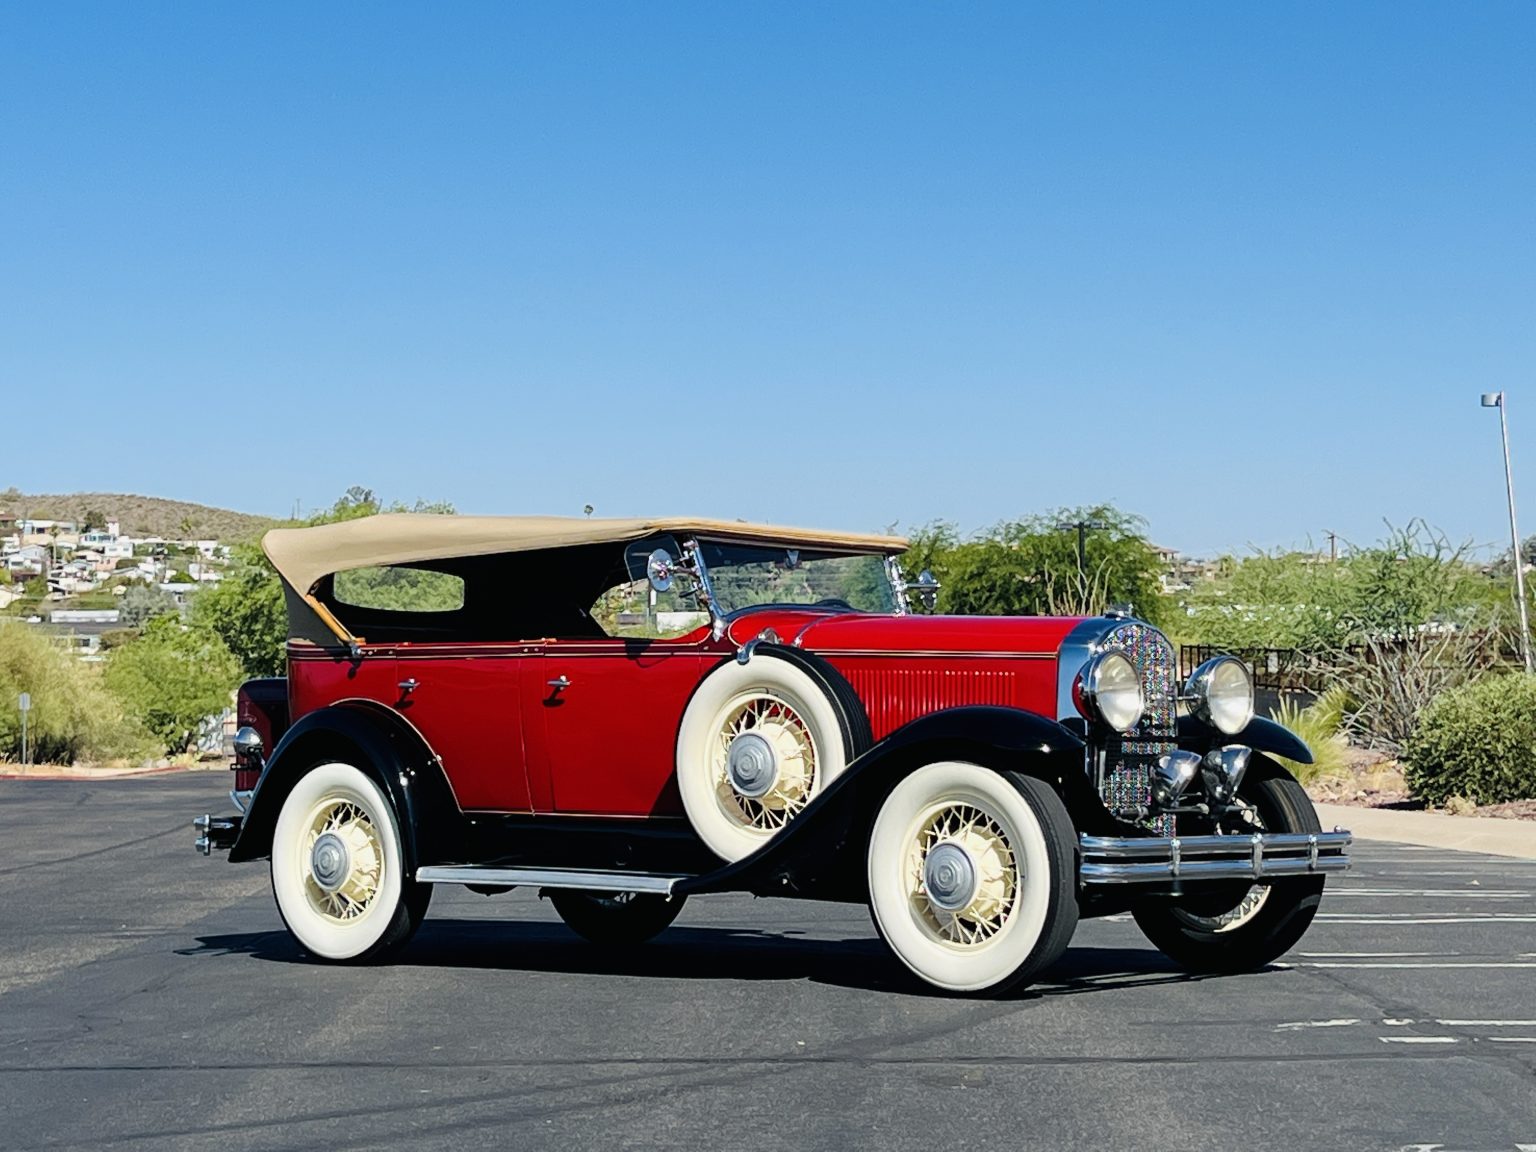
{"points": [[409, 686], [559, 684]]}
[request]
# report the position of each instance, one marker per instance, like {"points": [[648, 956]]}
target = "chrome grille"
{"points": [[1129, 759]]}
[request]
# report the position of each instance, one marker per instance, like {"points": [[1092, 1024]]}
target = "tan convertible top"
{"points": [[304, 556]]}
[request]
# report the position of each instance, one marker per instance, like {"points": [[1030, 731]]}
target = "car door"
{"points": [[466, 701], [606, 712]]}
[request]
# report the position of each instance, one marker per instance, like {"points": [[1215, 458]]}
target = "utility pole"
{"points": [[1496, 400], [1333, 547]]}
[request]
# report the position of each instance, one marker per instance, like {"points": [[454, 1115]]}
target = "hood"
{"points": [[990, 635]]}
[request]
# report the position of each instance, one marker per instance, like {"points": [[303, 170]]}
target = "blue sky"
{"points": [[1242, 269]]}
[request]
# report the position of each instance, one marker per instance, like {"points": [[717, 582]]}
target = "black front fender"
{"points": [[1262, 735], [379, 742], [821, 852]]}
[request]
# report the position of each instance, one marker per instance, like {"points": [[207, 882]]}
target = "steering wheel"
{"points": [[834, 602]]}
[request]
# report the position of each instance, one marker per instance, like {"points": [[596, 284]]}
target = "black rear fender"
{"points": [[379, 742]]}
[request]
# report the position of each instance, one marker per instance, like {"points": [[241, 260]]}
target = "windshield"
{"points": [[747, 575]]}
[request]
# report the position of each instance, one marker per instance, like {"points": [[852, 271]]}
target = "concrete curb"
{"points": [[54, 772], [1497, 837]]}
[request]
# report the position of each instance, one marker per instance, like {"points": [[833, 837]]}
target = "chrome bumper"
{"points": [[1160, 859]]}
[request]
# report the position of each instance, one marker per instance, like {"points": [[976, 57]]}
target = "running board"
{"points": [[549, 878]]}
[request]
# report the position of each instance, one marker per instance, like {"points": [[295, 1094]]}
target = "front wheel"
{"points": [[617, 918], [337, 868], [1237, 928], [972, 876]]}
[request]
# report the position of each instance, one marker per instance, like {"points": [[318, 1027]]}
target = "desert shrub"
{"points": [[171, 678], [1476, 741], [73, 716], [1318, 726], [1391, 681]]}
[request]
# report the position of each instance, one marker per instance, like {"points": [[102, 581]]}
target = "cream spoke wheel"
{"points": [[757, 744], [963, 875], [345, 859], [1245, 909], [972, 877], [337, 868], [764, 762]]}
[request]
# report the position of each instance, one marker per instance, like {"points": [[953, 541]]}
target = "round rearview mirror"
{"points": [[659, 569]]}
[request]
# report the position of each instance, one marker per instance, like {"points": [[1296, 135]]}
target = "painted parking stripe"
{"points": [[1418, 1039], [1432, 893], [1421, 964], [1297, 1025]]}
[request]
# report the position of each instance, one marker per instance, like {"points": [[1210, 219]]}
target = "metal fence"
{"points": [[1274, 669]]}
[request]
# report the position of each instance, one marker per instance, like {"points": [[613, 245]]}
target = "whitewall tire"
{"points": [[758, 741], [972, 876], [337, 868]]}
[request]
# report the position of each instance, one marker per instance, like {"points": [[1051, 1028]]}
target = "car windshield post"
{"points": [[694, 556], [898, 581]]}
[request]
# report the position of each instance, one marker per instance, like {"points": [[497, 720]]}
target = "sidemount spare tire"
{"points": [[759, 740]]}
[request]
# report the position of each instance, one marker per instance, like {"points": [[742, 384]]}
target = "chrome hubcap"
{"points": [[330, 861], [949, 875], [752, 766]]}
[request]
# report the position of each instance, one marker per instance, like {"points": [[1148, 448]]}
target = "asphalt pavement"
{"points": [[149, 999]]}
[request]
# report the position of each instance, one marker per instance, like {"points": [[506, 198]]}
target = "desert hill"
{"points": [[139, 515]]}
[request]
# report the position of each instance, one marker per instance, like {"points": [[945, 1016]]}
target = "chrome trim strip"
{"points": [[549, 878], [1206, 870], [1138, 859]]}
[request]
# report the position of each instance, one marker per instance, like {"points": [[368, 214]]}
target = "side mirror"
{"points": [[659, 568], [927, 588]]}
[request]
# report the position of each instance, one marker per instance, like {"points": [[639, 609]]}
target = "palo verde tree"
{"points": [[1032, 566]]}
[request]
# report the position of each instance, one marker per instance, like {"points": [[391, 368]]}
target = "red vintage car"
{"points": [[626, 713]]}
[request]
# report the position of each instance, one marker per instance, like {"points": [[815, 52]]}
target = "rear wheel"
{"points": [[615, 918], [337, 868], [972, 876], [1241, 927]]}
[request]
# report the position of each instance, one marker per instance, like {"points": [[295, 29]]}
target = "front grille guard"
{"points": [[1160, 859]]}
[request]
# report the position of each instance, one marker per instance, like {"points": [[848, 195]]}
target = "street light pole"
{"points": [[1496, 400]]}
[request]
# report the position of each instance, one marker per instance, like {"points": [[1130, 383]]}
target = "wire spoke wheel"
{"points": [[344, 859], [759, 741], [972, 877], [963, 875], [1252, 901], [338, 871], [764, 763]]}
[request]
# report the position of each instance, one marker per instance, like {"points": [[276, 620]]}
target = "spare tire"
{"points": [[757, 743]]}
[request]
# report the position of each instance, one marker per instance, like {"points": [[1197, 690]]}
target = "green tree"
{"points": [[1031, 566], [141, 603], [171, 678], [73, 716], [246, 610]]}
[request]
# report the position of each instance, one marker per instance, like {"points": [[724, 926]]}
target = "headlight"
{"points": [[1109, 690], [1221, 694]]}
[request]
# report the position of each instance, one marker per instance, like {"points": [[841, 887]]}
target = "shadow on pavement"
{"points": [[687, 953]]}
